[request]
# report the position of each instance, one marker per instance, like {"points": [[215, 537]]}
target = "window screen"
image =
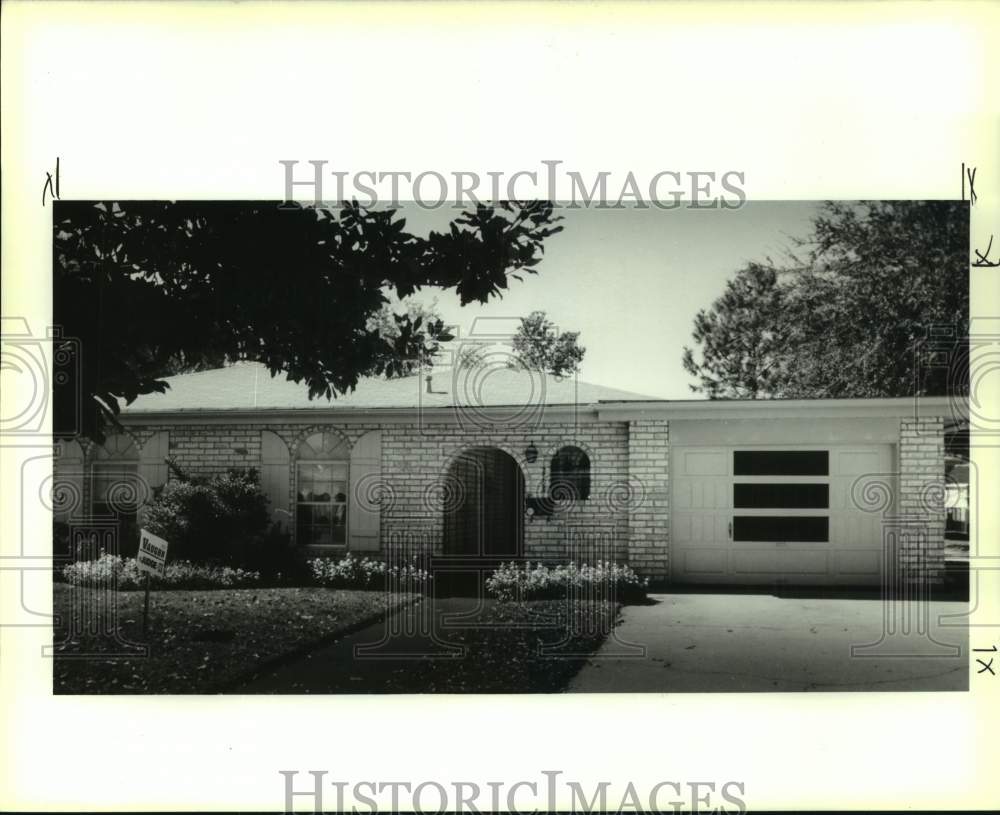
{"points": [[781, 462]]}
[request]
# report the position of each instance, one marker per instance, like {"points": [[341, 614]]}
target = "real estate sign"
{"points": [[152, 557]]}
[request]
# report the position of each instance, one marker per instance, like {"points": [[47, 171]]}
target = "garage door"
{"points": [[775, 515]]}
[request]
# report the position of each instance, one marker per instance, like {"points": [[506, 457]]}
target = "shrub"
{"points": [[60, 540], [218, 519], [605, 580], [351, 572], [180, 574], [273, 555]]}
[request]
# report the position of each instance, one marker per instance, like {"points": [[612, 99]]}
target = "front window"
{"points": [[322, 503], [570, 475]]}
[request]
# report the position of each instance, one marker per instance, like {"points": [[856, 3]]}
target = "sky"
{"points": [[630, 281]]}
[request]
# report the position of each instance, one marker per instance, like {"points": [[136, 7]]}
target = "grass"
{"points": [[199, 641], [517, 647]]}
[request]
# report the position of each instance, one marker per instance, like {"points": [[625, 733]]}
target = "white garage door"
{"points": [[775, 515]]}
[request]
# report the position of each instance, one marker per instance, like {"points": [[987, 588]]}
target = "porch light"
{"points": [[531, 454]]}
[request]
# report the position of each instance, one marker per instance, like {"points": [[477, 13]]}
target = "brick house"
{"points": [[500, 464]]}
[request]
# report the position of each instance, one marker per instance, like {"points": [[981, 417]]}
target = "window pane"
{"points": [[781, 496], [313, 474], [339, 528], [321, 517], [329, 446], [316, 536], [570, 478], [811, 529], [320, 514], [338, 492], [331, 533], [781, 462]]}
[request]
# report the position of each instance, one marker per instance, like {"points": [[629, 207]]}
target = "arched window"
{"points": [[321, 490], [570, 475], [114, 485]]}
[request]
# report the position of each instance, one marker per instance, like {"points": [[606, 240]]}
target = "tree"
{"points": [[416, 334], [853, 318], [538, 345], [741, 337], [881, 277], [470, 356], [139, 284]]}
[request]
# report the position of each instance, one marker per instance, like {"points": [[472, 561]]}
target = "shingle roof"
{"points": [[249, 386]]}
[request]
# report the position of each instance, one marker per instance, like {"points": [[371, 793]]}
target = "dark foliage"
{"points": [[222, 519], [879, 306], [148, 288]]}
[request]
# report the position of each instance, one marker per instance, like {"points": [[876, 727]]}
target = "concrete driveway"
{"points": [[701, 642]]}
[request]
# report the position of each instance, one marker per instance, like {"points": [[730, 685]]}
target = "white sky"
{"points": [[631, 281]]}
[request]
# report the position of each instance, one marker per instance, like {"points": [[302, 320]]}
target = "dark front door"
{"points": [[484, 512]]}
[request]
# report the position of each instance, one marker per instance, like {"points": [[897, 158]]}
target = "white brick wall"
{"points": [[649, 519], [627, 516], [416, 463], [921, 500]]}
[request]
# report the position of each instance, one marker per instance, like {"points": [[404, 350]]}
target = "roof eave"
{"points": [[393, 415], [954, 409]]}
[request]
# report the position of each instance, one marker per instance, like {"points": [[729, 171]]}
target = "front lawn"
{"points": [[200, 641], [534, 646]]}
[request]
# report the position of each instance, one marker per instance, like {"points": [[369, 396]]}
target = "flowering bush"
{"points": [[351, 572], [180, 574], [604, 580]]}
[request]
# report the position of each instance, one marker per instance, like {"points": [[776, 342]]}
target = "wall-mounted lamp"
{"points": [[531, 454]]}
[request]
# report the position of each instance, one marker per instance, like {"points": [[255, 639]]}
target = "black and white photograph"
{"points": [[450, 406], [514, 448]]}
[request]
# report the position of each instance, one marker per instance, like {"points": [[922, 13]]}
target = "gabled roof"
{"points": [[249, 386]]}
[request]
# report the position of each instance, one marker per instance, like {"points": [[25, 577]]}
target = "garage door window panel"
{"points": [[781, 462], [777, 494], [781, 528], [759, 495]]}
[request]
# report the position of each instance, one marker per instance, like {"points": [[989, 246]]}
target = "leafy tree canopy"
{"points": [[147, 287], [539, 345], [416, 332], [852, 316], [741, 337]]}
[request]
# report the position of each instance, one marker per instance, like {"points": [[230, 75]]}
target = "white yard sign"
{"points": [[152, 555]]}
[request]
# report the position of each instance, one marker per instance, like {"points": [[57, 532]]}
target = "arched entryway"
{"points": [[484, 505]]}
